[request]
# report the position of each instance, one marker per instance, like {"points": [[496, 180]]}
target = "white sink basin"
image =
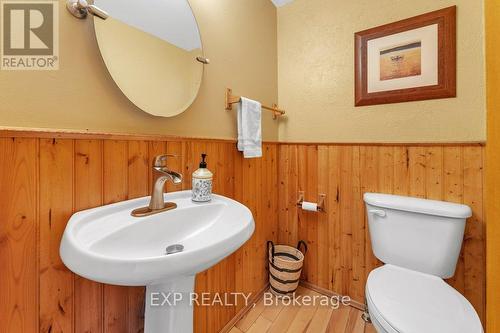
{"points": [[107, 244]]}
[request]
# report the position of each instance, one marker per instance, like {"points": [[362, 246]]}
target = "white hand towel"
{"points": [[250, 128]]}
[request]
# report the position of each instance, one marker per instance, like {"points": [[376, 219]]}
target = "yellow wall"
{"points": [[316, 75], [492, 14], [239, 37]]}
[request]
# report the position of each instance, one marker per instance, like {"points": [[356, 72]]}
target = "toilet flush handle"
{"points": [[378, 212]]}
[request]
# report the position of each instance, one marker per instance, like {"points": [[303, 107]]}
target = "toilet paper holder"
{"points": [[321, 201]]}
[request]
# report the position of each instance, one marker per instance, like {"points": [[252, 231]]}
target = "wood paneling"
{"points": [[19, 276], [340, 255], [56, 189], [45, 179], [115, 188], [88, 194]]}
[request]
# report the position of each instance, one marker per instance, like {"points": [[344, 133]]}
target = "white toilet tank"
{"points": [[418, 234]]}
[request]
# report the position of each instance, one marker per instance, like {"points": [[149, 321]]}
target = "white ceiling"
{"points": [[279, 3]]}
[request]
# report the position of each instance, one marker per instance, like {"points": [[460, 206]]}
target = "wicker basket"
{"points": [[285, 266]]}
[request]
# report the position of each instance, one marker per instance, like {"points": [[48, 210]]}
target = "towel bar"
{"points": [[231, 99]]}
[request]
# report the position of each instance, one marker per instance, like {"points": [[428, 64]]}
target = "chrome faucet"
{"points": [[157, 203]]}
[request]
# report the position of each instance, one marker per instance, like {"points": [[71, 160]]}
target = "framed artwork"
{"points": [[408, 60]]}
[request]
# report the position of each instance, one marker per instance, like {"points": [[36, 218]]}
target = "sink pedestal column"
{"points": [[168, 306]]}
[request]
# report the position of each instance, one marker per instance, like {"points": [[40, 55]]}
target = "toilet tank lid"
{"points": [[418, 205]]}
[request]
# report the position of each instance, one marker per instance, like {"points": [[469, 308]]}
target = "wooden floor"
{"points": [[278, 318]]}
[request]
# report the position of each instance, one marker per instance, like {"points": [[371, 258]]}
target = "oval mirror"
{"points": [[150, 48]]}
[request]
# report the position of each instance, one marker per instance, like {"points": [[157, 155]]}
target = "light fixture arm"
{"points": [[80, 9]]}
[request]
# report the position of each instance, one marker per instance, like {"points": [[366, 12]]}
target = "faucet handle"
{"points": [[160, 161]]}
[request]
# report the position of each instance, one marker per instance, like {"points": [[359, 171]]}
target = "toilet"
{"points": [[419, 242]]}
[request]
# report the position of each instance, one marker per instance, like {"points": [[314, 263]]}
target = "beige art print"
{"points": [[401, 61]]}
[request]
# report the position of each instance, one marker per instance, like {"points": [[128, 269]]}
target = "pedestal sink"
{"points": [[108, 245]]}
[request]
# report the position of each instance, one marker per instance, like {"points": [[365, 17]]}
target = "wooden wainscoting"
{"points": [[340, 255], [45, 179]]}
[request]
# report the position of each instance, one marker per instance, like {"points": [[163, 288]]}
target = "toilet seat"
{"points": [[405, 301]]}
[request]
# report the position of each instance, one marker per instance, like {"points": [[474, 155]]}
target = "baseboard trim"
{"points": [[329, 293], [230, 324]]}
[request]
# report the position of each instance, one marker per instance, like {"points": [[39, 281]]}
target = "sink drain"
{"points": [[171, 249]]}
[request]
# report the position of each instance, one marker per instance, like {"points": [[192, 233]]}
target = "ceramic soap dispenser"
{"points": [[202, 182]]}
